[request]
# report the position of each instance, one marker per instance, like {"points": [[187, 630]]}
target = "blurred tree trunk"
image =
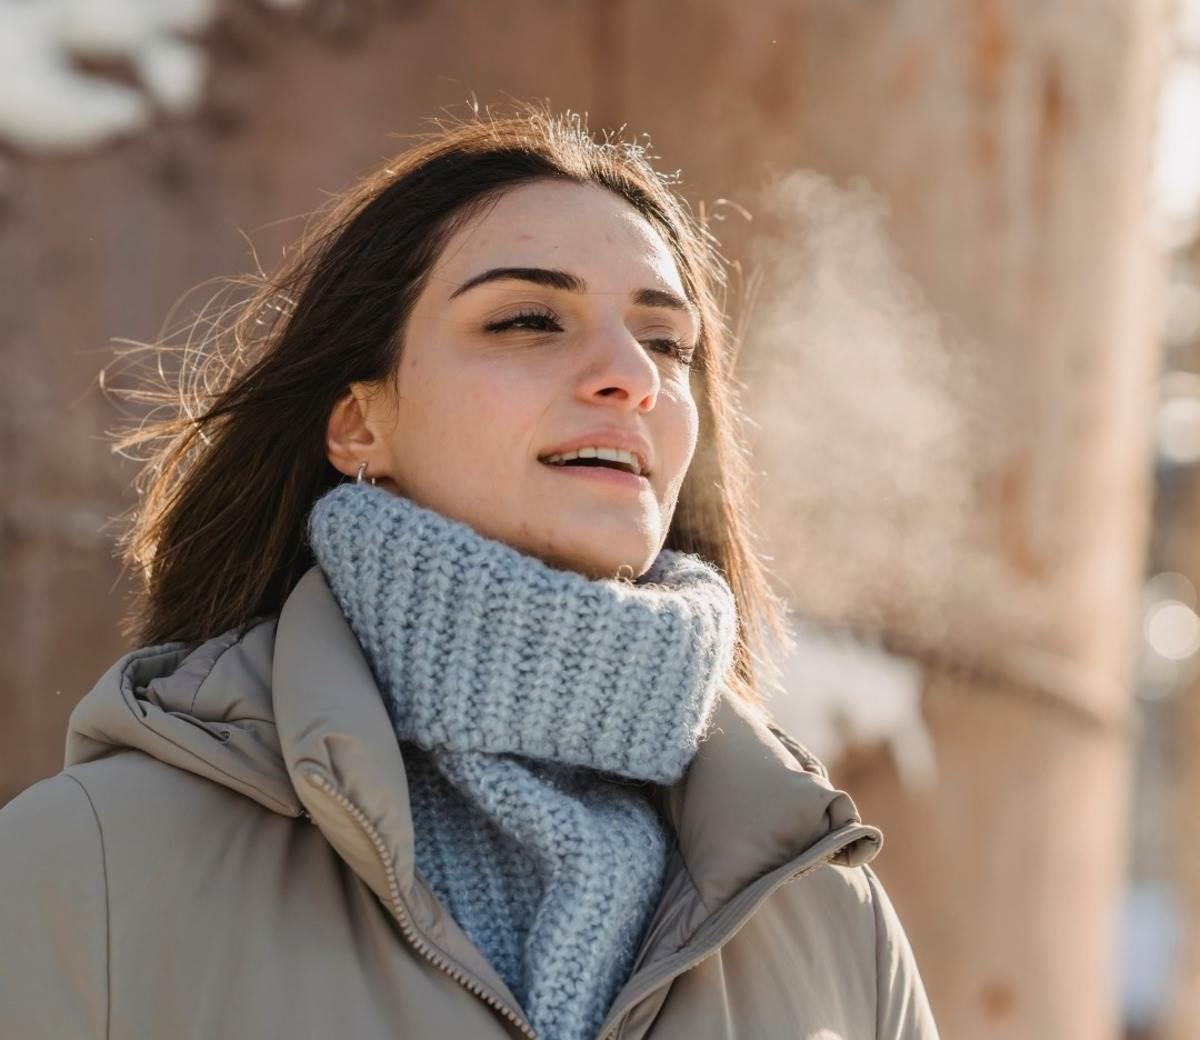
{"points": [[1012, 144]]}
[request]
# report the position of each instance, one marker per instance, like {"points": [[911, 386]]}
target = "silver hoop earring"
{"points": [[358, 477]]}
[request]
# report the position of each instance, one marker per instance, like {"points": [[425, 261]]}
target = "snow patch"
{"points": [[50, 105], [839, 690]]}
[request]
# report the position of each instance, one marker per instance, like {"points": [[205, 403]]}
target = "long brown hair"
{"points": [[232, 470]]}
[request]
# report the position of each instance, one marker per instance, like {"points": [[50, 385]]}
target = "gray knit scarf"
{"points": [[533, 704]]}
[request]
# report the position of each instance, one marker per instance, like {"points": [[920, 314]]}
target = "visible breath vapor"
{"points": [[864, 438], [865, 446]]}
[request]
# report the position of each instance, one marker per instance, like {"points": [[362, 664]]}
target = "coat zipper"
{"points": [[609, 1029], [400, 912]]}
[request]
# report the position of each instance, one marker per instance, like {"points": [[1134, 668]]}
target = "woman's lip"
{"points": [[603, 475]]}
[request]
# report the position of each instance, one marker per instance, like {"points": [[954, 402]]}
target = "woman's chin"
{"points": [[610, 564]]}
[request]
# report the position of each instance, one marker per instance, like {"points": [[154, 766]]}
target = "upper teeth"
{"points": [[612, 454]]}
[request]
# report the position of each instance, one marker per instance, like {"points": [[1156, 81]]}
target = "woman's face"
{"points": [[554, 320]]}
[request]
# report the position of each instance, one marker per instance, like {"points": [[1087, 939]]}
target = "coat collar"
{"points": [[751, 799]]}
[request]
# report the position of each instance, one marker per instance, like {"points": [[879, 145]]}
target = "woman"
{"points": [[444, 721]]}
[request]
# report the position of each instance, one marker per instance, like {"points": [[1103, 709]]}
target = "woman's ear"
{"points": [[349, 435]]}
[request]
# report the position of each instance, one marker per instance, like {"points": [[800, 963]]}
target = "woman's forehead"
{"points": [[584, 229]]}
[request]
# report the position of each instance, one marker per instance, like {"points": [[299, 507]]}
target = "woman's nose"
{"points": [[621, 366]]}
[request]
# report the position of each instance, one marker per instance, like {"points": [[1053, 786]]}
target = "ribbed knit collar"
{"points": [[481, 647]]}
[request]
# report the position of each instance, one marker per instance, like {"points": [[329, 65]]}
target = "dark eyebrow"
{"points": [[554, 279], [663, 298], [537, 275]]}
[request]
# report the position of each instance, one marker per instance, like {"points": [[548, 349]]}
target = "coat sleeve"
{"points": [[902, 1009], [53, 915]]}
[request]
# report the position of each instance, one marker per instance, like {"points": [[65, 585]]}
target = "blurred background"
{"points": [[965, 249]]}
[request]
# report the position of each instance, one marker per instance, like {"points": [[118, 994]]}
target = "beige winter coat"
{"points": [[228, 853]]}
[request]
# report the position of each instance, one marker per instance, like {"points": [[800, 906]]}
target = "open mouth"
{"points": [[623, 467]]}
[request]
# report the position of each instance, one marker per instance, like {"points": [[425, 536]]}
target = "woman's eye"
{"points": [[674, 348], [543, 322], [529, 320]]}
